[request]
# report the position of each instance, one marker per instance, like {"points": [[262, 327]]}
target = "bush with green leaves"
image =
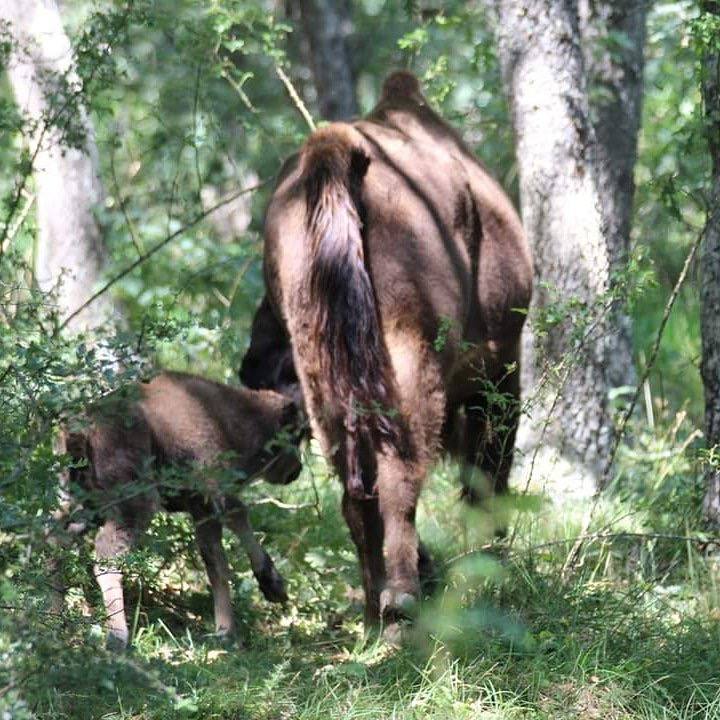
{"points": [[188, 112]]}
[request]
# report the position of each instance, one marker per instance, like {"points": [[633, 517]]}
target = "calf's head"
{"points": [[278, 461]]}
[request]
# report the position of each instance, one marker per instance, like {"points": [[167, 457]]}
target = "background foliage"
{"points": [[188, 108]]}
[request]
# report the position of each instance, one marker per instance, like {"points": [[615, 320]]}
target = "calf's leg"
{"points": [[208, 535], [113, 540], [269, 579]]}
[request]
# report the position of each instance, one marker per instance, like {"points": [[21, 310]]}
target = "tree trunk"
{"points": [[613, 41], [327, 25], [710, 274], [70, 252], [565, 361]]}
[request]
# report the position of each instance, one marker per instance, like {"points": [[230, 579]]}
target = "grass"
{"points": [[675, 379], [632, 632]]}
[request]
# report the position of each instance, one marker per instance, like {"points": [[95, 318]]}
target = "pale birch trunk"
{"points": [[710, 277], [564, 368], [70, 251]]}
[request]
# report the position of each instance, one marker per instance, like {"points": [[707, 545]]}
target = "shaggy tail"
{"points": [[353, 357]]}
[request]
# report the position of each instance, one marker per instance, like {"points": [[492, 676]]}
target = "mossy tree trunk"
{"points": [[710, 269], [613, 42], [576, 211], [327, 25]]}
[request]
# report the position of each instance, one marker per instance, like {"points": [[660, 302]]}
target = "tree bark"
{"points": [[70, 250], [613, 42], [710, 274], [565, 362], [327, 25]]}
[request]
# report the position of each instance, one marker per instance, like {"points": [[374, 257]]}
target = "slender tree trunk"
{"points": [[613, 42], [710, 269], [565, 362], [70, 253], [327, 25]]}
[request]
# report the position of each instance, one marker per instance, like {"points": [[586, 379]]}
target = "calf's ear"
{"points": [[76, 445], [296, 401], [293, 417]]}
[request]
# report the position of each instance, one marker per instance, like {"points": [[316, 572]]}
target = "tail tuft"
{"points": [[353, 356]]}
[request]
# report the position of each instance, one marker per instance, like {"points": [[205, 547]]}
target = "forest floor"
{"points": [[630, 630]]}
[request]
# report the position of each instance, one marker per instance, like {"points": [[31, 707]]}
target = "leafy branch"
{"points": [[157, 247]]}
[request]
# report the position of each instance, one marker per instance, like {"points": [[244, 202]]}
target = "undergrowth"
{"points": [[629, 630]]}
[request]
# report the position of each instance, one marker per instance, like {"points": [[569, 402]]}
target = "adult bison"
{"points": [[398, 269]]}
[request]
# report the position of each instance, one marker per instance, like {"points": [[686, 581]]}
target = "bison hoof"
{"points": [[396, 605], [116, 642], [224, 632], [271, 583], [393, 634], [226, 638]]}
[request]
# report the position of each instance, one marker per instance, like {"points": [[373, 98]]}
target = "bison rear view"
{"points": [[397, 278]]}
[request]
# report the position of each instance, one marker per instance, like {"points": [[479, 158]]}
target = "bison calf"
{"points": [[176, 443]]}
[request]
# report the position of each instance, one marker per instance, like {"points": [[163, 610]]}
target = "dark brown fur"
{"points": [[381, 236], [201, 428], [270, 364]]}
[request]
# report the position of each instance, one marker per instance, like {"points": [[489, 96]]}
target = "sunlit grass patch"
{"points": [[628, 630]]}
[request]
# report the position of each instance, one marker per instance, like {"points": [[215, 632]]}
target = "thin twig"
{"points": [[237, 87], [299, 104], [572, 558], [239, 276], [196, 103], [6, 372], [545, 379], [47, 126], [653, 354], [15, 202], [278, 503], [123, 209], [155, 248], [173, 188], [703, 543], [16, 683], [18, 223]]}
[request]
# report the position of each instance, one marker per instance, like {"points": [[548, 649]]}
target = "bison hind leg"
{"points": [[427, 572], [423, 402], [491, 420]]}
